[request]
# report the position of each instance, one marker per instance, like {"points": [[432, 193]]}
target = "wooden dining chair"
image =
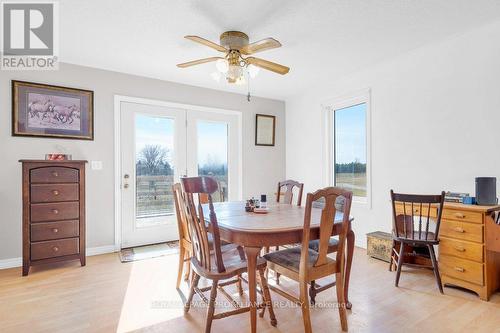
{"points": [[412, 230], [185, 246], [211, 264], [333, 245], [218, 195], [286, 188], [305, 265]]}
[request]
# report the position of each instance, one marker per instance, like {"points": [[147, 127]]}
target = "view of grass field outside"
{"points": [[212, 154], [155, 169], [350, 148]]}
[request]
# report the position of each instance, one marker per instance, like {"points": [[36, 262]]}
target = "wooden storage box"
{"points": [[379, 245]]}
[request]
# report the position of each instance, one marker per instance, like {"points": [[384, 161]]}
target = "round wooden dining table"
{"points": [[282, 225]]}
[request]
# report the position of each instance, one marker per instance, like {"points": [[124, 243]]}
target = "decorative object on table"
{"points": [[58, 157], [251, 204], [249, 207], [486, 191], [263, 201], [53, 212], [456, 197], [265, 126], [51, 111], [379, 245], [260, 210]]}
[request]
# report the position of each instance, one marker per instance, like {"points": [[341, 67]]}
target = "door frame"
{"points": [[118, 99]]}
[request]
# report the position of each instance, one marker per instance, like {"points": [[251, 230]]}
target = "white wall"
{"points": [[263, 167], [435, 123]]}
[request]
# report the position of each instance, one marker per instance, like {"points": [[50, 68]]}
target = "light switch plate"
{"points": [[96, 165]]}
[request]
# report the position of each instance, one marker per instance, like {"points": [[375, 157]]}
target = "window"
{"points": [[349, 142]]}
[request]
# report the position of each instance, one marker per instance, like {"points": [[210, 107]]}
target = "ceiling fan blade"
{"points": [[197, 62], [261, 45], [270, 66], [206, 42]]}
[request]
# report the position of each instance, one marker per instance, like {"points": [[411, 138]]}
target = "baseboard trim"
{"points": [[91, 251], [11, 263]]}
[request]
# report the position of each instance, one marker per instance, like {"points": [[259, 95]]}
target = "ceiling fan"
{"points": [[235, 45]]}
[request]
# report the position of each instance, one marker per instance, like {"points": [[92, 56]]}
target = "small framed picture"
{"points": [[265, 126], [42, 110]]}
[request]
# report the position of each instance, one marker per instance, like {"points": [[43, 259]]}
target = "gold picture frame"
{"points": [[42, 110]]}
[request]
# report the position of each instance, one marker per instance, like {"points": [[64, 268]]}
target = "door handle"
{"points": [[126, 177]]}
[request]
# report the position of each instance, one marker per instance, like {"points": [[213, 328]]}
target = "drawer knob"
{"points": [[55, 173], [460, 269], [55, 248], [460, 249], [55, 230], [459, 215], [55, 192], [458, 229], [55, 211]]}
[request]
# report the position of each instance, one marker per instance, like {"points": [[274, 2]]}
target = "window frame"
{"points": [[329, 108]]}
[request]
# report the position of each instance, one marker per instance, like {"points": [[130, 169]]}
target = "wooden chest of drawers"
{"points": [[53, 212], [465, 257]]}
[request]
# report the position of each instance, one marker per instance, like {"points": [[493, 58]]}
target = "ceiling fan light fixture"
{"points": [[234, 73], [253, 71], [222, 65], [216, 76], [241, 80]]}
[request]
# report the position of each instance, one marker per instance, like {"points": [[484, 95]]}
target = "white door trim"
{"points": [[118, 99]]}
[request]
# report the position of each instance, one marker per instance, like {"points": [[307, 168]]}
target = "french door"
{"points": [[160, 144]]}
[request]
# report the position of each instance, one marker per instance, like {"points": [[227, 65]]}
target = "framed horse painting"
{"points": [[51, 111]]}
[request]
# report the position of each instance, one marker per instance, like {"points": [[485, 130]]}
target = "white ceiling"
{"points": [[322, 39]]}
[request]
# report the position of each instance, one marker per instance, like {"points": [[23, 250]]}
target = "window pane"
{"points": [[154, 146], [350, 148], [212, 154]]}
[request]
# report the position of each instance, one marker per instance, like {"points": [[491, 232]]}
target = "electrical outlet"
{"points": [[96, 165]]}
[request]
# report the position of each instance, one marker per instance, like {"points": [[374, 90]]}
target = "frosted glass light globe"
{"points": [[222, 65]]}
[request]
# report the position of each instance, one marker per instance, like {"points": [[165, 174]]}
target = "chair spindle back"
{"points": [[413, 220]]}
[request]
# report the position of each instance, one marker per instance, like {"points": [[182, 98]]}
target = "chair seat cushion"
{"points": [[333, 245], [233, 264], [290, 258]]}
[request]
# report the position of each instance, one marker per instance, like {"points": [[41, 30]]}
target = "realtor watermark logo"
{"points": [[30, 35]]}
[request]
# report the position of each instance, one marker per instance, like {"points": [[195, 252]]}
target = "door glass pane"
{"points": [[350, 148], [212, 154], [154, 146]]}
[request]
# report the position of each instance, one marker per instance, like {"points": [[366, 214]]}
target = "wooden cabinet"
{"points": [[53, 212], [466, 258]]}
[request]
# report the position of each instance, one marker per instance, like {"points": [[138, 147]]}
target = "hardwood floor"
{"points": [[108, 296]]}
